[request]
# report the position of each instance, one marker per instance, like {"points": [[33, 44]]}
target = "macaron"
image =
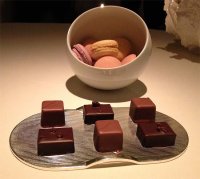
{"points": [[107, 62], [124, 46], [87, 44], [128, 59], [82, 54], [104, 48]]}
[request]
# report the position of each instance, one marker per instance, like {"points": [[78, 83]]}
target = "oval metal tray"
{"points": [[23, 143]]}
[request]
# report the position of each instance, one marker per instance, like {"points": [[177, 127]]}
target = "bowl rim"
{"points": [[148, 38]]}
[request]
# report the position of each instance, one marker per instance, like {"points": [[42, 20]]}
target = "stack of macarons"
{"points": [[107, 53]]}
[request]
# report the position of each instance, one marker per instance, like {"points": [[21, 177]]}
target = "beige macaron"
{"points": [[124, 46], [104, 48]]}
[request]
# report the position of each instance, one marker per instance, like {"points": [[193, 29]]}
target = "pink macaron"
{"points": [[107, 62], [128, 59], [82, 54]]}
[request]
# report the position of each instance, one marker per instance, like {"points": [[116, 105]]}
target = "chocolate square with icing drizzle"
{"points": [[155, 134]]}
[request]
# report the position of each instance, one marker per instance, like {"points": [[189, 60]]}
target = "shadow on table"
{"points": [[182, 52], [78, 88]]}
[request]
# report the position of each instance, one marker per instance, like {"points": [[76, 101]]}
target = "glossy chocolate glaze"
{"points": [[55, 141], [142, 110], [52, 114], [155, 134], [108, 136], [97, 111]]}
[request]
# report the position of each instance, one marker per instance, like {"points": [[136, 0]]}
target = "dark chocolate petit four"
{"points": [[55, 141], [108, 136], [142, 110], [155, 134], [97, 111], [52, 114]]}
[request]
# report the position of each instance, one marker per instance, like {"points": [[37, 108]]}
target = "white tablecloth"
{"points": [[34, 67]]}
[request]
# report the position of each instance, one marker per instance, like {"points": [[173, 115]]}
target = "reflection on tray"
{"points": [[23, 143]]}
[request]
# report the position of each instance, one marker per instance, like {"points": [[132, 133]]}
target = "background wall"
{"points": [[63, 11]]}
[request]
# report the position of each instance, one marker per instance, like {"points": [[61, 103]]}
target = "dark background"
{"points": [[65, 11]]}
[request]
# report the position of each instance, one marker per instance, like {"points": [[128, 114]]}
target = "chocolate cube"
{"points": [[155, 134], [55, 141], [142, 110], [52, 114], [97, 111], [108, 136]]}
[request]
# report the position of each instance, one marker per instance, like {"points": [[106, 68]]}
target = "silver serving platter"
{"points": [[23, 143]]}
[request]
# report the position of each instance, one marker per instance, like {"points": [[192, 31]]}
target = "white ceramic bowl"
{"points": [[105, 23]]}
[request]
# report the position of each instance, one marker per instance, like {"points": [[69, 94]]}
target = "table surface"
{"points": [[34, 67]]}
